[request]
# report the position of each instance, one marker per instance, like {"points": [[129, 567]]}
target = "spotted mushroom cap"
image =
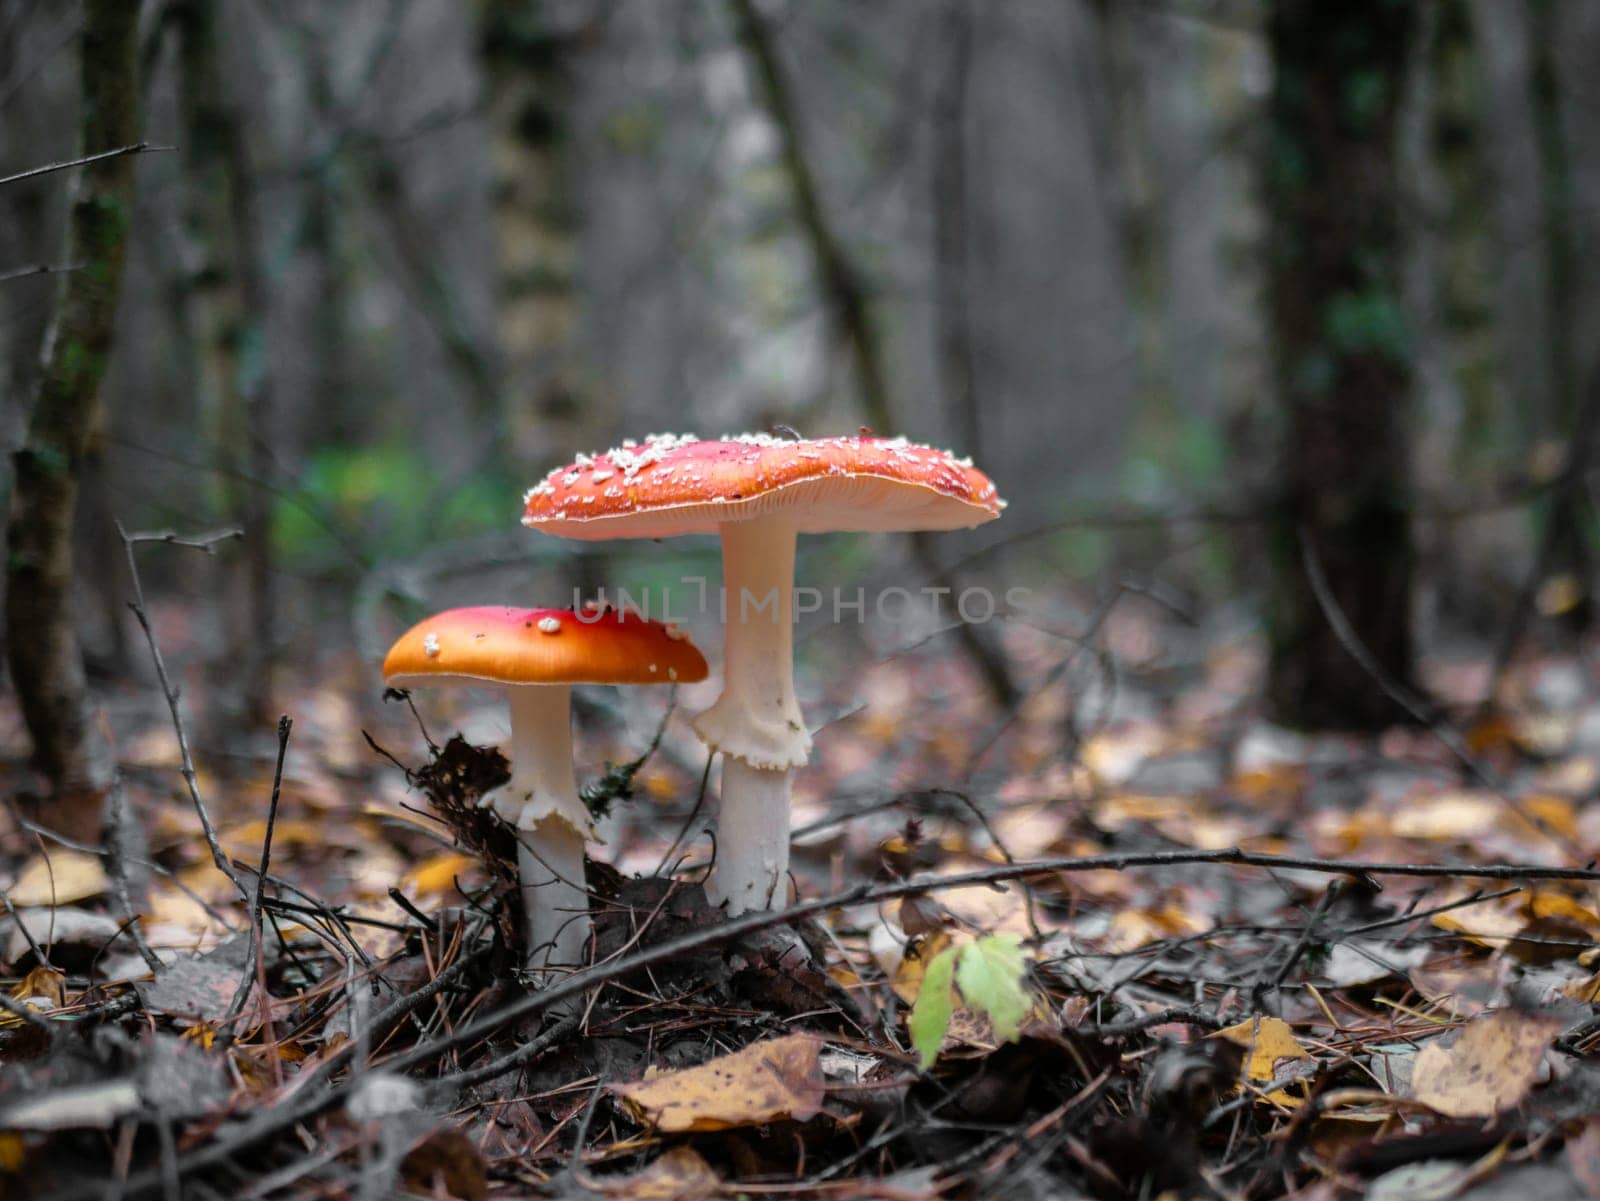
{"points": [[673, 484], [500, 645]]}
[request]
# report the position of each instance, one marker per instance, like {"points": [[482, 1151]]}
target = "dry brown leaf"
{"points": [[1452, 816], [1133, 928], [445, 1164], [1487, 923], [1583, 1157], [1491, 1067], [59, 878], [1465, 989], [44, 982], [766, 1082], [679, 1175]]}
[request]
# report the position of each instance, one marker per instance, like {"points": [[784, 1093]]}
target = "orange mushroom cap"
{"points": [[502, 645], [673, 484]]}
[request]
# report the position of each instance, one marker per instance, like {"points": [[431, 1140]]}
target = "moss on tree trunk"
{"points": [[1341, 358], [46, 663]]}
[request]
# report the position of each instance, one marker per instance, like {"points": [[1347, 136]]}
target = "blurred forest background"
{"points": [[1191, 280]]}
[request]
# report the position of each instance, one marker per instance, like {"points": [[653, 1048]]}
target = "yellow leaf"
{"points": [[1268, 1041], [1134, 928], [437, 874], [1491, 1067], [59, 879], [13, 1152], [679, 1175], [1586, 990], [768, 1081], [43, 982], [244, 841], [908, 976], [1554, 904]]}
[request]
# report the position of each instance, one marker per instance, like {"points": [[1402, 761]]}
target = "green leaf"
{"points": [[930, 1015], [990, 975]]}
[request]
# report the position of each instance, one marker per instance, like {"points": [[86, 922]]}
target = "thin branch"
{"points": [[117, 872], [39, 269], [68, 164], [168, 690], [253, 952], [207, 542]]}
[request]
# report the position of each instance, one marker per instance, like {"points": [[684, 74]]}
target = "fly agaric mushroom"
{"points": [[536, 655], [758, 492]]}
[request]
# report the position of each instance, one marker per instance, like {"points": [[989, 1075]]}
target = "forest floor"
{"points": [[1114, 947]]}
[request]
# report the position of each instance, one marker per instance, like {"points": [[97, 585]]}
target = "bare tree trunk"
{"points": [[1342, 360], [841, 285], [549, 401], [46, 663], [846, 295], [958, 371], [1572, 558], [228, 302]]}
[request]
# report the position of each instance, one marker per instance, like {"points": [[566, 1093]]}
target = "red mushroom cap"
{"points": [[500, 645], [676, 484]]}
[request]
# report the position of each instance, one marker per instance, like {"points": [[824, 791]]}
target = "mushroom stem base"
{"points": [[555, 901], [752, 869]]}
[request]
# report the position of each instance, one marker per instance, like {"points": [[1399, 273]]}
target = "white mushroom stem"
{"points": [[756, 722], [555, 905], [752, 838], [541, 800]]}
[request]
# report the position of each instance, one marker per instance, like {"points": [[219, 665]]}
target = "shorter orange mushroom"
{"points": [[537, 655]]}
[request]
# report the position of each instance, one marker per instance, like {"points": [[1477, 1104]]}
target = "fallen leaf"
{"points": [[913, 966], [1486, 923], [55, 929], [445, 1164], [766, 1082], [198, 988], [679, 1175], [44, 982], [990, 975], [96, 1106], [437, 875], [1491, 1067], [1267, 1042], [1434, 1179], [930, 1016], [1454, 816], [1583, 1157], [59, 879], [1465, 989]]}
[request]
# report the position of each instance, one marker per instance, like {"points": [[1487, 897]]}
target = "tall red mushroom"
{"points": [[758, 492]]}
